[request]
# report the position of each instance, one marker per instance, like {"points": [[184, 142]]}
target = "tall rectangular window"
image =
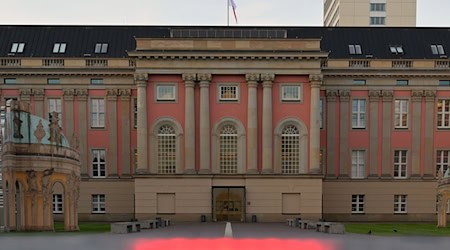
{"points": [[358, 166], [98, 163], [54, 105], [57, 203], [400, 163], [400, 204], [442, 161], [357, 204], [98, 204], [443, 113], [135, 112], [97, 113], [359, 113], [401, 114]]}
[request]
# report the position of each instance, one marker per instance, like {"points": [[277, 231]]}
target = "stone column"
{"points": [[374, 98], [267, 133], [386, 138], [112, 132], [68, 95], [314, 130], [205, 131], [142, 149], [416, 129], [331, 132], [252, 123], [83, 114], [189, 123], [39, 103], [25, 95], [344, 97], [125, 111], [430, 100]]}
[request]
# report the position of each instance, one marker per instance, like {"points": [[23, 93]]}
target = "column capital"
{"points": [[387, 95], [252, 77], [112, 94], [189, 77], [430, 95], [332, 95], [204, 77], [141, 79], [344, 95], [82, 94], [124, 94], [25, 94], [267, 77], [417, 95], [374, 95], [316, 80], [68, 94], [38, 94]]}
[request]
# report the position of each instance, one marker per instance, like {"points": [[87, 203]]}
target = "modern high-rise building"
{"points": [[392, 13]]}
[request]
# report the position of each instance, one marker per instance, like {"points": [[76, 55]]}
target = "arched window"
{"points": [[290, 155], [167, 150], [228, 154]]}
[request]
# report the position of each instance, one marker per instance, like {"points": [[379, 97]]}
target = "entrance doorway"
{"points": [[228, 203]]}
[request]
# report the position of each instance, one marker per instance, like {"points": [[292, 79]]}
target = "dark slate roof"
{"points": [[81, 40]]}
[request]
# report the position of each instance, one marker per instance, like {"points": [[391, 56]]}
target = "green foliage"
{"points": [[398, 229], [86, 227]]}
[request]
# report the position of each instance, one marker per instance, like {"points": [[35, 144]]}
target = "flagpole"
{"points": [[228, 12]]}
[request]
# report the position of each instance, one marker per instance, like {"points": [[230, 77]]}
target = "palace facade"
{"points": [[241, 123]]}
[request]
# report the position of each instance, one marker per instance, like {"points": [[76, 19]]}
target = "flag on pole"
{"points": [[233, 5]]}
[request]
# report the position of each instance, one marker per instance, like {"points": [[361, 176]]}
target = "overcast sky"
{"points": [[188, 12]]}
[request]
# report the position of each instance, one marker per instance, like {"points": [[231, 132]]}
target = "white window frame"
{"points": [[377, 21], [437, 49], [98, 203], [375, 7], [442, 160], [161, 97], [400, 204], [97, 113], [228, 150], [101, 48], [359, 115], [55, 105], [401, 165], [290, 150], [358, 203], [354, 49], [225, 98], [444, 103], [401, 109], [167, 149], [98, 166], [398, 50], [358, 164], [285, 90], [59, 48], [58, 204], [17, 48]]}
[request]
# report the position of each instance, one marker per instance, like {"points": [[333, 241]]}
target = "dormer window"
{"points": [[354, 49], [397, 50], [17, 47], [59, 48], [101, 48], [437, 49]]}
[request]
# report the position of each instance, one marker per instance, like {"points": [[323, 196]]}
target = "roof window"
{"points": [[354, 49], [17, 47], [397, 50], [59, 48], [101, 48], [437, 49]]}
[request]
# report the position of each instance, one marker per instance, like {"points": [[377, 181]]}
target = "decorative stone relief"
{"points": [[112, 94], [344, 95], [189, 77], [204, 77], [252, 77], [332, 95], [82, 94], [17, 126], [69, 94], [374, 95], [25, 94], [141, 78], [430, 95], [38, 94], [387, 95], [124, 94], [417, 95], [267, 77], [55, 129], [316, 79], [39, 132]]}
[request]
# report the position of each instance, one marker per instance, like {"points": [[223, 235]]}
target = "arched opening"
{"points": [[58, 206], [18, 206], [167, 150]]}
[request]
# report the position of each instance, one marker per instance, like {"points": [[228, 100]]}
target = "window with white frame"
{"points": [[400, 204], [357, 204], [358, 163], [378, 7], [167, 150], [228, 158], [98, 163], [101, 48], [401, 114], [290, 93], [396, 50], [59, 48], [290, 155], [98, 113], [443, 113], [354, 49], [377, 20], [54, 106], [57, 203], [228, 92], [321, 113], [437, 49], [98, 204], [165, 92], [442, 161], [358, 113], [17, 47], [400, 163]]}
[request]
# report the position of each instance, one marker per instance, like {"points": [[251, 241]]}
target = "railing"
{"points": [[359, 63], [442, 64], [10, 62], [401, 64], [324, 63], [132, 63], [96, 63], [53, 62]]}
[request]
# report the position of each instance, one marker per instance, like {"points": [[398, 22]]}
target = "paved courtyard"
{"points": [[107, 241]]}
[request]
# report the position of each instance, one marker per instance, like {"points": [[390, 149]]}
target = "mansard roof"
{"points": [[81, 40]]}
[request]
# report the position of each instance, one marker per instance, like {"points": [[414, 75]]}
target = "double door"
{"points": [[228, 203]]}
